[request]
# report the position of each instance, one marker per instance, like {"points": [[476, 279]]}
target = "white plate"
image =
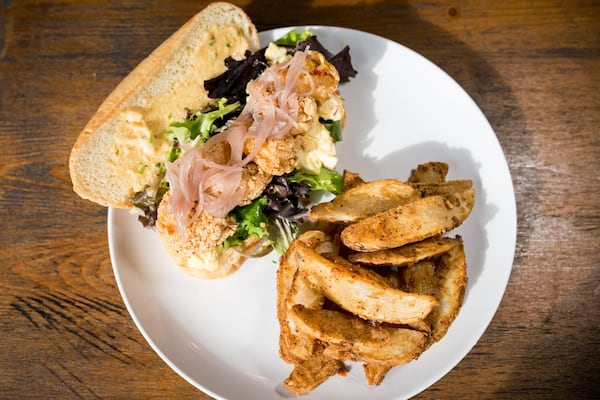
{"points": [[222, 335]]}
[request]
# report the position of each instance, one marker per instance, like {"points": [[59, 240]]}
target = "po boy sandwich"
{"points": [[216, 142]]}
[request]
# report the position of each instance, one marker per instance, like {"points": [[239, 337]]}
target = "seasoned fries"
{"points": [[408, 254], [432, 171], [441, 188], [409, 223], [364, 200], [374, 282], [337, 327], [360, 290], [451, 276]]}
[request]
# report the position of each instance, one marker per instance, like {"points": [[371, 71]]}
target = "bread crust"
{"points": [[114, 155]]}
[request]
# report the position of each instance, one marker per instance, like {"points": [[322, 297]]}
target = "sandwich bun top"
{"points": [[118, 152]]}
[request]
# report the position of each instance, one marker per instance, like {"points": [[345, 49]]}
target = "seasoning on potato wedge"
{"points": [[410, 222]]}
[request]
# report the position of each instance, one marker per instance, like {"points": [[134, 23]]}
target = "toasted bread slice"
{"points": [[117, 153]]}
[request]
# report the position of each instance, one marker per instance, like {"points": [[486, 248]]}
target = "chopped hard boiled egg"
{"points": [[276, 54], [318, 150]]}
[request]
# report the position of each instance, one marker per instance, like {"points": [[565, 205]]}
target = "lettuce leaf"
{"points": [[281, 234], [334, 128], [252, 221], [293, 37], [327, 179], [231, 84], [148, 204], [200, 126], [284, 202]]}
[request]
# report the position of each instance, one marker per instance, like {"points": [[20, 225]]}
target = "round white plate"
{"points": [[222, 335]]}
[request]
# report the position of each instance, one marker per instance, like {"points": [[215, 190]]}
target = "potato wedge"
{"points": [[407, 254], [298, 344], [403, 346], [451, 276], [359, 290], [408, 223], [363, 200], [310, 373], [293, 345], [350, 179], [375, 373], [432, 171], [305, 294], [441, 188], [420, 278], [287, 271], [336, 327]]}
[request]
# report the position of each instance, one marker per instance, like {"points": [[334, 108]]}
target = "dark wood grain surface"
{"points": [[532, 67]]}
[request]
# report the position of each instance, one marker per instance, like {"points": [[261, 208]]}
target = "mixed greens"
{"points": [[275, 214], [200, 126], [283, 203]]}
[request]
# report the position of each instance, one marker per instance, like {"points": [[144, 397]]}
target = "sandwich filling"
{"points": [[250, 162], [268, 129]]}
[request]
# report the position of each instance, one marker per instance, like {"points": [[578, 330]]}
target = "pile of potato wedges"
{"points": [[373, 280]]}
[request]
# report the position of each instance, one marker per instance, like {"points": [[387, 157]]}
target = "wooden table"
{"points": [[533, 68]]}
